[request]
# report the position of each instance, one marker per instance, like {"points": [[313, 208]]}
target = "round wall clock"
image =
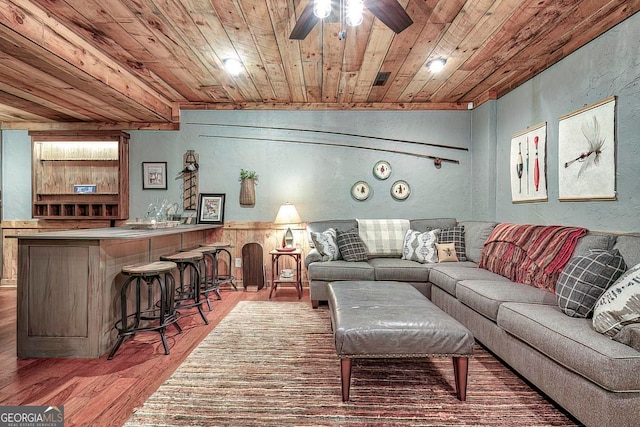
{"points": [[400, 190], [382, 170], [360, 191]]}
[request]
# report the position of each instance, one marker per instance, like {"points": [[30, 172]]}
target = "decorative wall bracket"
{"points": [[190, 180]]}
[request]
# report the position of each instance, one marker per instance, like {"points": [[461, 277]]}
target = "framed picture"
{"points": [[211, 208], [154, 175], [586, 151], [529, 165]]}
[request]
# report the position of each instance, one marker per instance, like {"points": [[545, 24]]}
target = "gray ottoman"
{"points": [[392, 320]]}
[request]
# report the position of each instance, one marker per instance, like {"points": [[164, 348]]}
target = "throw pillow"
{"points": [[326, 244], [351, 246], [419, 246], [454, 235], [585, 279], [446, 252], [619, 305], [383, 237]]}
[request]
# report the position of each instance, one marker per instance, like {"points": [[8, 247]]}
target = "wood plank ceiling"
{"points": [[136, 63]]}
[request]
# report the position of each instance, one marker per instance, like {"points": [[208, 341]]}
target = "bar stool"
{"points": [[227, 277], [208, 282], [188, 294], [163, 311]]}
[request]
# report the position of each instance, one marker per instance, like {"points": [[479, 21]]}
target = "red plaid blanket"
{"points": [[530, 254]]}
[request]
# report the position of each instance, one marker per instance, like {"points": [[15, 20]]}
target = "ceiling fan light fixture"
{"points": [[233, 66], [436, 65], [354, 12], [322, 8]]}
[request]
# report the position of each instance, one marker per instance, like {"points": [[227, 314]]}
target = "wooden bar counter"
{"points": [[69, 284]]}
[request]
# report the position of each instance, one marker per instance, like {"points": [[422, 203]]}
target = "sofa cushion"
{"points": [[486, 296], [572, 342], [446, 276], [420, 247], [351, 246], [336, 224], [383, 237], [431, 224], [446, 252], [475, 234], [585, 279], [620, 304], [340, 270], [454, 235], [326, 244], [629, 247], [400, 270], [594, 240]]}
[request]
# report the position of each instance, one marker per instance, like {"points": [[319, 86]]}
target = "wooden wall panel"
{"points": [[235, 233], [265, 233]]}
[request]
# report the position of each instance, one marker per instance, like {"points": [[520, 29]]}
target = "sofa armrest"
{"points": [[312, 256]]}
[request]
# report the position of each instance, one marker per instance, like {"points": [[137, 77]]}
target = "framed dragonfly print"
{"points": [[529, 165], [586, 151]]}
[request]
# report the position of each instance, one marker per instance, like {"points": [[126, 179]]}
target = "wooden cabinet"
{"points": [[80, 175]]}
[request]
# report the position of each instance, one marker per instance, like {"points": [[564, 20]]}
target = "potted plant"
{"points": [[248, 180]]}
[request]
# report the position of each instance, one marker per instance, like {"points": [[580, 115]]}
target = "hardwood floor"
{"points": [[98, 392]]}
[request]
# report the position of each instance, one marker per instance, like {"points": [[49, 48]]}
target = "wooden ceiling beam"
{"points": [[82, 126], [26, 24], [416, 106]]}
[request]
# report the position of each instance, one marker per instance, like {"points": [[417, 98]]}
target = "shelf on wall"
{"points": [[95, 160]]}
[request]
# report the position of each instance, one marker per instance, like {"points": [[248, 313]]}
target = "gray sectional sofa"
{"points": [[593, 377]]}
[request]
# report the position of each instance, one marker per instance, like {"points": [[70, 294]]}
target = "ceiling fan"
{"points": [[389, 12]]}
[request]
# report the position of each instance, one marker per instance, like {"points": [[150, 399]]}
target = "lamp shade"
{"points": [[287, 214]]}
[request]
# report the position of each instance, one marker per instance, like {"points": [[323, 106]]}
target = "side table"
{"points": [[276, 277]]}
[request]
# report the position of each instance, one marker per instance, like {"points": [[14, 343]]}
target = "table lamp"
{"points": [[287, 214]]}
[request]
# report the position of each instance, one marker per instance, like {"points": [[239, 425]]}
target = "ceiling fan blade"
{"points": [[391, 13], [305, 23]]}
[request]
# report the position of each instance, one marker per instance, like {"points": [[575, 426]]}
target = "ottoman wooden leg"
{"points": [[345, 376], [460, 369]]}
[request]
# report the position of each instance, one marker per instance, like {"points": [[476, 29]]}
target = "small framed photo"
{"points": [[211, 208], [154, 175]]}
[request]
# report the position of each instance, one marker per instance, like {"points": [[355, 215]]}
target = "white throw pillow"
{"points": [[619, 305], [420, 247], [383, 237], [326, 244]]}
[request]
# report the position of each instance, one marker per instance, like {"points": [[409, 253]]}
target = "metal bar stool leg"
{"points": [[161, 312]]}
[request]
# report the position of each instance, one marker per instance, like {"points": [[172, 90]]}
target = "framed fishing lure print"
{"points": [[529, 165], [586, 153]]}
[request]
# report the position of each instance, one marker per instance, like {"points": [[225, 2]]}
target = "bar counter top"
{"points": [[115, 233]]}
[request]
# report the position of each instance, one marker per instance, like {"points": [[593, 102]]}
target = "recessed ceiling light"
{"points": [[322, 8], [436, 65], [233, 66]]}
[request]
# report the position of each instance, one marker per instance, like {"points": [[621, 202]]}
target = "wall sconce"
{"points": [[287, 214]]}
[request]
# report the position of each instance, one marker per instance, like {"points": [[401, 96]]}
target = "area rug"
{"points": [[274, 364]]}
